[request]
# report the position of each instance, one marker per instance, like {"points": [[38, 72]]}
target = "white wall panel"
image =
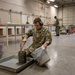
{"points": [[4, 17], [30, 19], [15, 18], [28, 7], [19, 2], [24, 19], [59, 13], [53, 12], [68, 15], [46, 12], [42, 20]]}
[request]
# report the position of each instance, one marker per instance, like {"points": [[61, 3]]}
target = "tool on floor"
{"points": [[22, 55]]}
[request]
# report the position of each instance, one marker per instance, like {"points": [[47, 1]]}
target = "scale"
{"points": [[16, 63], [11, 63]]}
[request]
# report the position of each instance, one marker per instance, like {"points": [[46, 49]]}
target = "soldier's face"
{"points": [[37, 25]]}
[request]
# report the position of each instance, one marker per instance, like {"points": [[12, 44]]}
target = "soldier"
{"points": [[41, 36], [57, 28]]}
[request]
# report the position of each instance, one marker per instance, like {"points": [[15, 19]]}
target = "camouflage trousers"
{"points": [[57, 30], [30, 49]]}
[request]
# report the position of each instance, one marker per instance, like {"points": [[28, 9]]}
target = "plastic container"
{"points": [[41, 56]]}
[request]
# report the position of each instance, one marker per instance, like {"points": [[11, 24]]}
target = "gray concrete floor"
{"points": [[61, 52]]}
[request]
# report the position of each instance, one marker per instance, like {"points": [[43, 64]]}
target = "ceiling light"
{"points": [[52, 0], [48, 1], [56, 6]]}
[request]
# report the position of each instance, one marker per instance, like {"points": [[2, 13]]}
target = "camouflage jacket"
{"points": [[57, 22], [40, 37]]}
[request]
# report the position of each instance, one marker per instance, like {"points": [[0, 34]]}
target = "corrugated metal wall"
{"points": [[67, 14], [28, 7]]}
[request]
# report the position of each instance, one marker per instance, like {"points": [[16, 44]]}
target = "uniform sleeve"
{"points": [[48, 38], [28, 34]]}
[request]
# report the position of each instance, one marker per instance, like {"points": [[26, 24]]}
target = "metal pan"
{"points": [[11, 64]]}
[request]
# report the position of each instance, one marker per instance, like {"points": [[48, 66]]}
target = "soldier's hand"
{"points": [[44, 46], [24, 41]]}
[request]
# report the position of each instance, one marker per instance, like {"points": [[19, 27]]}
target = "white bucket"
{"points": [[41, 56]]}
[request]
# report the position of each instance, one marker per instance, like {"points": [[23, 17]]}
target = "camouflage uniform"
{"points": [[40, 37], [57, 27]]}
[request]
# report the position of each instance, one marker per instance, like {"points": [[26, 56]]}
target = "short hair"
{"points": [[55, 16], [36, 20]]}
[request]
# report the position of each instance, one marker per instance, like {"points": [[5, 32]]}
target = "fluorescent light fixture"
{"points": [[52, 0], [48, 1], [56, 6]]}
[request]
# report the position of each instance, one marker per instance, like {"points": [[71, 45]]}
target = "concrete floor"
{"points": [[61, 52]]}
